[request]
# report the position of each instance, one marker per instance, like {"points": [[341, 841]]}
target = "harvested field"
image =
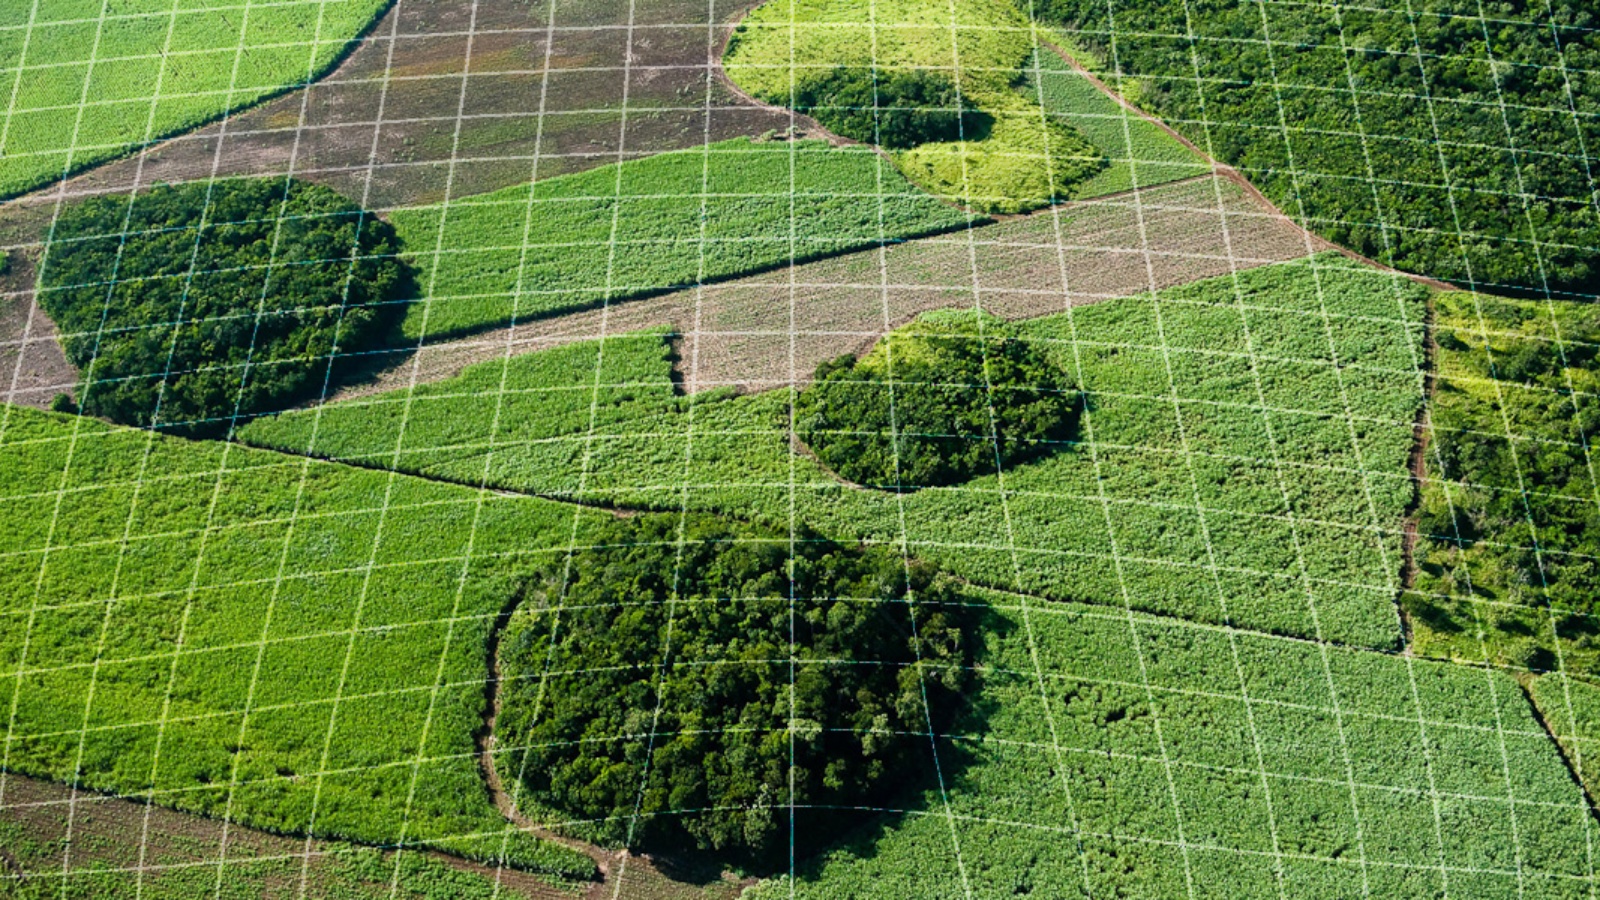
{"points": [[119, 845], [499, 88], [32, 367], [771, 330]]}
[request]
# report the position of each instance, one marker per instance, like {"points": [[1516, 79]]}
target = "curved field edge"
{"points": [[292, 645], [648, 226], [1244, 457], [1123, 755], [329, 55]]}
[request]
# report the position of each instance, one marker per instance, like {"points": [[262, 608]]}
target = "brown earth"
{"points": [[561, 91], [771, 330], [109, 832], [32, 367]]}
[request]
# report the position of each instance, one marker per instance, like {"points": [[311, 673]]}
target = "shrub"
{"points": [[705, 683], [896, 109], [204, 303], [938, 403]]}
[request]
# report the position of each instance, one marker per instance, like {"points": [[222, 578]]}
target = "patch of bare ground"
{"points": [[33, 370], [496, 89], [111, 833], [771, 330]]}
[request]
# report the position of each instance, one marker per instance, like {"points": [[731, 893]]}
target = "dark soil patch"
{"points": [[32, 367], [109, 832]]}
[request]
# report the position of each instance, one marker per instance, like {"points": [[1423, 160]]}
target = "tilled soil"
{"points": [[771, 330], [109, 833], [465, 97], [33, 370]]}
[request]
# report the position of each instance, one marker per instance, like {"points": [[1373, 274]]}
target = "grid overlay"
{"points": [[1155, 776]]}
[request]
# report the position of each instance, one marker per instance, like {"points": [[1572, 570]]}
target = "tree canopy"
{"points": [[204, 303], [706, 680], [894, 109], [1446, 138], [944, 400]]}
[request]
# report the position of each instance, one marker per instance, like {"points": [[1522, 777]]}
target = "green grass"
{"points": [[650, 225], [1571, 709], [1115, 755], [1140, 153], [84, 81], [1509, 538], [1025, 161], [1300, 498], [227, 631]]}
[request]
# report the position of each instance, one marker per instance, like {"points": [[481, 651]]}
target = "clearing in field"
{"points": [[88, 80], [1243, 456]]}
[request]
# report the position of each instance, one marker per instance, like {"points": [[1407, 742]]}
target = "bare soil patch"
{"points": [[108, 832], [525, 90], [32, 367], [771, 330]]}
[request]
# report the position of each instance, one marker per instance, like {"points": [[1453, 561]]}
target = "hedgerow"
{"points": [[1279, 511], [87, 82], [1430, 137], [943, 401], [1509, 539], [297, 645], [686, 684], [187, 308], [984, 142], [653, 224]]}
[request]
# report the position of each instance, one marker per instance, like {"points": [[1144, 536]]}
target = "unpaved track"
{"points": [[108, 833], [741, 333]]}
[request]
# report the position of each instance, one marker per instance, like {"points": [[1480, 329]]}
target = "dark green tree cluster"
{"points": [[706, 680], [942, 401], [1444, 137], [1512, 515], [205, 303], [897, 109]]}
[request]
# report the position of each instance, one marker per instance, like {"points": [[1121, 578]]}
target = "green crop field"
{"points": [[1139, 153], [1119, 755], [295, 645], [651, 225], [1248, 435], [799, 449], [83, 81]]}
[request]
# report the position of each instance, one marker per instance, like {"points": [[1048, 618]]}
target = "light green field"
{"points": [[84, 81], [1192, 494], [650, 225], [225, 631], [1116, 755], [1139, 152], [1024, 162]]}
